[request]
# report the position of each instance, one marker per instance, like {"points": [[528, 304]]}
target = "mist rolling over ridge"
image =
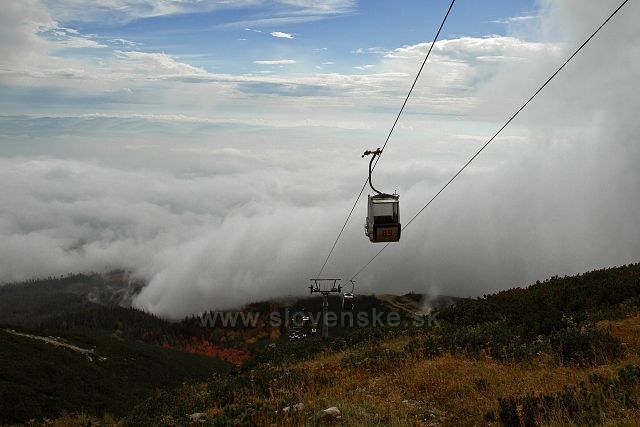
{"points": [[220, 187]]}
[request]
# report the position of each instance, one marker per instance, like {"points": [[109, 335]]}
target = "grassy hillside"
{"points": [[542, 355], [380, 383]]}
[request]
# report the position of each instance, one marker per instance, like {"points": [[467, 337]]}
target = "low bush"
{"points": [[585, 345]]}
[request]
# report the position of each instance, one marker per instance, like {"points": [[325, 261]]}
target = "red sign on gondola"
{"points": [[387, 234]]}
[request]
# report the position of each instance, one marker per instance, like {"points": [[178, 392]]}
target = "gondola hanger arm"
{"points": [[375, 153]]}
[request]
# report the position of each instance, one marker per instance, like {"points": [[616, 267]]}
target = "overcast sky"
{"points": [[213, 147]]}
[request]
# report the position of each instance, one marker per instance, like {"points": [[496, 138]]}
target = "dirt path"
{"points": [[59, 342]]}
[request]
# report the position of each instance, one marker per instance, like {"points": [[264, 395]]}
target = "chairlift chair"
{"points": [[347, 298], [347, 301]]}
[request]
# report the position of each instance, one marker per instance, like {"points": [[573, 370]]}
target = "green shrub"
{"points": [[585, 345]]}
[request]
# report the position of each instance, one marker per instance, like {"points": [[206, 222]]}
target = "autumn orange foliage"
{"points": [[206, 348]]}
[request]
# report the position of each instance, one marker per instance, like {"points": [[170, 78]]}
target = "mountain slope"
{"points": [[39, 380], [35, 301], [496, 359]]}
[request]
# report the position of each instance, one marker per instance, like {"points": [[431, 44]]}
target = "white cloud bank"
{"points": [[243, 214]]}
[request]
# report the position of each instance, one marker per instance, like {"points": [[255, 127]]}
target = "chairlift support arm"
{"points": [[353, 285]]}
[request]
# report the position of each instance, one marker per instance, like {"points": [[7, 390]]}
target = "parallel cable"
{"points": [[497, 133], [387, 139]]}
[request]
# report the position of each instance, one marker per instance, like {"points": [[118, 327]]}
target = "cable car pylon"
{"points": [[383, 210], [325, 287]]}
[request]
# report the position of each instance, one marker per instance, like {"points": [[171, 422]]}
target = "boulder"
{"points": [[197, 417], [330, 415]]}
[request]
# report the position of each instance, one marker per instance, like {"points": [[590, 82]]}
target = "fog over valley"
{"points": [[220, 185]]}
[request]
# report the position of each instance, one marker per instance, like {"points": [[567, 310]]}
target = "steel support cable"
{"points": [[498, 132], [387, 139]]}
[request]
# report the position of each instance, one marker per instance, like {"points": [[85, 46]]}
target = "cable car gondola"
{"points": [[383, 212]]}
